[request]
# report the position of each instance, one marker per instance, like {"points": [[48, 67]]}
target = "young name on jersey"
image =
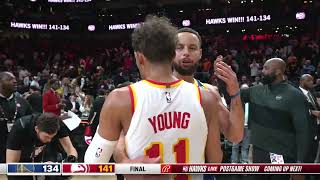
{"points": [[169, 120]]}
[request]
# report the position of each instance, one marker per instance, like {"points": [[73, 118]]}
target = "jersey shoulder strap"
{"points": [[201, 85]]}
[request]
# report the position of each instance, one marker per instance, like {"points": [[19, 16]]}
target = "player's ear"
{"points": [[36, 129], [139, 58], [200, 53]]}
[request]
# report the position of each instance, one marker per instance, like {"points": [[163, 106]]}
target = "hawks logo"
{"points": [[79, 168]]}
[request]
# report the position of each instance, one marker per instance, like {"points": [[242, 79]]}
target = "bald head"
{"points": [[277, 63], [306, 81], [4, 75], [306, 77]]}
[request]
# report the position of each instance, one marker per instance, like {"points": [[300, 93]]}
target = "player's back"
{"points": [[168, 121]]}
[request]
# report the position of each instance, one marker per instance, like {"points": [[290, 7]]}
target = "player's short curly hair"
{"points": [[48, 122], [155, 39]]}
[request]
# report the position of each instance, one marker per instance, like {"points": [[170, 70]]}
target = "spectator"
{"points": [[35, 99], [51, 101], [96, 109], [73, 105], [23, 73], [308, 68], [86, 105], [254, 69], [257, 81], [35, 82]]}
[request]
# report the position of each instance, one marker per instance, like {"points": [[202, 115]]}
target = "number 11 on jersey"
{"points": [[179, 149]]}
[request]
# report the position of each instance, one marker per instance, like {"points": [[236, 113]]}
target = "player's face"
{"points": [[188, 54]]}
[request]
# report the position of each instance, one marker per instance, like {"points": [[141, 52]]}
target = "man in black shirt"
{"points": [[278, 118], [306, 87], [31, 134], [11, 108], [96, 109]]}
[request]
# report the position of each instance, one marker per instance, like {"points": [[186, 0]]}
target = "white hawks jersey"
{"points": [[168, 121]]}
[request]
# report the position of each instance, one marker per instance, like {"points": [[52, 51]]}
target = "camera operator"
{"points": [[31, 134]]}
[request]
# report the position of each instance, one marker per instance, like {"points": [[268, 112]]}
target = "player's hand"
{"points": [[227, 75], [70, 159]]}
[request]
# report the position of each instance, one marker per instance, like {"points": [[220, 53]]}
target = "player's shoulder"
{"points": [[209, 95], [119, 97], [208, 88], [119, 93]]}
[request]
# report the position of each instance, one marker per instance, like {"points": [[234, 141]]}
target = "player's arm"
{"points": [[15, 140], [231, 124], [13, 156], [109, 129], [68, 147], [213, 148], [120, 154]]}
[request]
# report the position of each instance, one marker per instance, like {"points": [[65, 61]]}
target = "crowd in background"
{"points": [[88, 70], [83, 73]]}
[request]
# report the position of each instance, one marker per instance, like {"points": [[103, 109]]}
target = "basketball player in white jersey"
{"points": [[188, 54], [160, 116]]}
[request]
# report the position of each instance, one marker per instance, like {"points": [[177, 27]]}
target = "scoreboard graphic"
{"points": [[88, 169], [34, 169], [69, 169]]}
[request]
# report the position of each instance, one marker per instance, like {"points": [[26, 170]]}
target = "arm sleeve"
{"points": [[16, 136], [302, 126], [46, 106], [63, 131]]}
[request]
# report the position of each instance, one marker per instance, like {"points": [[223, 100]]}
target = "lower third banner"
{"points": [[240, 169]]}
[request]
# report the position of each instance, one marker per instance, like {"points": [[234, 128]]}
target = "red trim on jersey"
{"points": [[165, 84], [200, 96], [132, 99]]}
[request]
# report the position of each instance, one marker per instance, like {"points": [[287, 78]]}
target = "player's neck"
{"points": [[189, 79], [160, 73]]}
